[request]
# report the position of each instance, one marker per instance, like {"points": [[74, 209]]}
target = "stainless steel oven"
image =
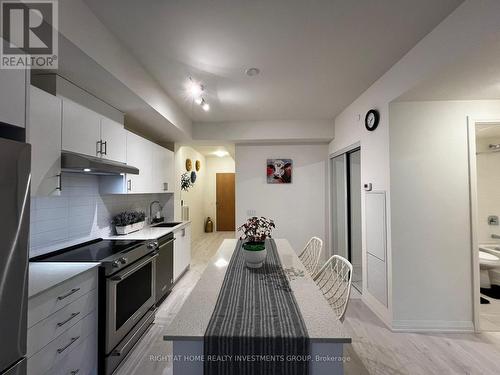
{"points": [[131, 294]]}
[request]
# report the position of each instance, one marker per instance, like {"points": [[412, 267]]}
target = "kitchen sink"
{"points": [[166, 225]]}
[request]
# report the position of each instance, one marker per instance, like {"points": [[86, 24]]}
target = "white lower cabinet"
{"points": [[52, 300], [81, 360], [51, 327], [63, 340], [182, 250]]}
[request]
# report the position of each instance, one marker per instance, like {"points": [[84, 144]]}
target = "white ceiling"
{"points": [[211, 150], [486, 131], [315, 57], [476, 77]]}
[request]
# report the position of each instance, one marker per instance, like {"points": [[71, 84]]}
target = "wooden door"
{"points": [[225, 219]]}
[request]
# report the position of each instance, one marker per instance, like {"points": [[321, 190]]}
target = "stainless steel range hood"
{"points": [[79, 163]]}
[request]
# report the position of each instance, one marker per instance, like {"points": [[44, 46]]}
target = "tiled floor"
{"points": [[490, 315], [375, 349]]}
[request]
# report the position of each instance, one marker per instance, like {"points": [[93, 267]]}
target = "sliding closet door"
{"points": [[354, 209], [346, 211], [339, 205]]}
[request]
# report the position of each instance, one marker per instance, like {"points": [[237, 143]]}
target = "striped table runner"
{"points": [[256, 327]]}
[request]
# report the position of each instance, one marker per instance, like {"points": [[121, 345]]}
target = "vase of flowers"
{"points": [[255, 231]]}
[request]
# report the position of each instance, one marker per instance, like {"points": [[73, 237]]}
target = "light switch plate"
{"points": [[493, 220]]}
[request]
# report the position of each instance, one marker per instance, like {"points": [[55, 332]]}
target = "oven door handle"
{"points": [[120, 277], [166, 243]]}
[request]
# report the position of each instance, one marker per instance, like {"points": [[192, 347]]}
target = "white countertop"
{"points": [[192, 320], [46, 275], [148, 233]]}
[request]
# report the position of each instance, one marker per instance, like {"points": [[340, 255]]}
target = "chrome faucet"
{"points": [[151, 219]]}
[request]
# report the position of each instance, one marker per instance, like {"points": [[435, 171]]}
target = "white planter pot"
{"points": [[129, 228], [254, 259]]}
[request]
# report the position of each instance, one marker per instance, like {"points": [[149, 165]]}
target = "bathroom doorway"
{"points": [[484, 156], [345, 172]]}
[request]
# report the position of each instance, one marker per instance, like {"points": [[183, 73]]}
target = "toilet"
{"points": [[489, 263]]}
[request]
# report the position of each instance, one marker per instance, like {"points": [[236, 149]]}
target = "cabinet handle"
{"points": [[129, 185], [98, 147], [72, 341], [72, 291], [105, 147], [59, 182], [60, 324]]}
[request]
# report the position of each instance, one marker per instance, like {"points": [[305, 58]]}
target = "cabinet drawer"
{"points": [[51, 327], [59, 348], [47, 303], [82, 360]]}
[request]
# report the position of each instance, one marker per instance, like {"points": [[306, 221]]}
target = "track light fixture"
{"points": [[195, 90]]}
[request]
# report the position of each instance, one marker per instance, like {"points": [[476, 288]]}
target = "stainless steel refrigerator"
{"points": [[15, 163]]}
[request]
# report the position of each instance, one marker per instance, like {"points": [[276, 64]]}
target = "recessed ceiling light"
{"points": [[86, 169], [220, 153], [251, 72], [198, 100], [205, 106]]}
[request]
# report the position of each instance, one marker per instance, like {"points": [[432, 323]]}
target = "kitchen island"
{"points": [[325, 333]]}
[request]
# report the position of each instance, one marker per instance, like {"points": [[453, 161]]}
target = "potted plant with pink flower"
{"points": [[255, 231]]}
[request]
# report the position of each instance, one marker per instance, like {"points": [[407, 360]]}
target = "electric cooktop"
{"points": [[92, 251]]}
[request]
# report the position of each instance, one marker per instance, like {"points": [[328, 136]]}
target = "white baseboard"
{"points": [[432, 326]]}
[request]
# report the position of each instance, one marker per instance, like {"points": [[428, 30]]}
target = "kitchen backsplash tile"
{"points": [[81, 214]]}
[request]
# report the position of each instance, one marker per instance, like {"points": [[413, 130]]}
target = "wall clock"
{"points": [[371, 120]]}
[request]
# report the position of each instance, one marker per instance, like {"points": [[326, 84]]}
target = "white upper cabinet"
{"points": [[81, 129], [139, 155], [44, 135], [87, 132], [13, 96], [155, 164], [162, 169], [114, 140]]}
